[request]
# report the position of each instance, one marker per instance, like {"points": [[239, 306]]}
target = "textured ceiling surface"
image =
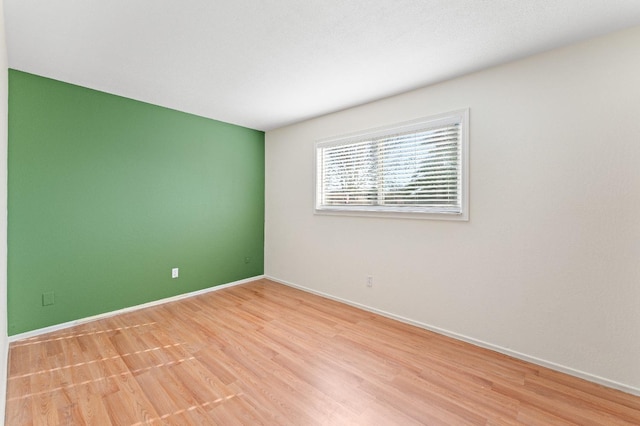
{"points": [[267, 63]]}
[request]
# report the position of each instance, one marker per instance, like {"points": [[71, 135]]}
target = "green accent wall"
{"points": [[107, 194]]}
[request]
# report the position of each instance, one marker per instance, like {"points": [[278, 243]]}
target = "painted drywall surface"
{"points": [[4, 344], [548, 263], [107, 194]]}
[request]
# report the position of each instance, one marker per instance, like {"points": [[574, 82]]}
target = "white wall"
{"points": [[548, 267], [4, 345]]}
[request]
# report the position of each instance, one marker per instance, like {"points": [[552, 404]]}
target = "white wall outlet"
{"points": [[174, 272], [369, 281]]}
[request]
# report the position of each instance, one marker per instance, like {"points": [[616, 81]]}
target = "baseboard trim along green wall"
{"points": [[107, 195], [69, 324]]}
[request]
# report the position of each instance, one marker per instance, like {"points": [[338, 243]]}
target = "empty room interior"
{"points": [[326, 212]]}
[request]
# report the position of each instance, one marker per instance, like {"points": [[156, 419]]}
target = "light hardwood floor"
{"points": [[264, 353]]}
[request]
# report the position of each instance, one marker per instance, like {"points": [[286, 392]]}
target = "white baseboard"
{"points": [[73, 323], [524, 357]]}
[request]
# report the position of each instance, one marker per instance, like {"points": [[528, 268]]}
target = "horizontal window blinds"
{"points": [[417, 170]]}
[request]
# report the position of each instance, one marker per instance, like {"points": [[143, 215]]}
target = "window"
{"points": [[414, 169]]}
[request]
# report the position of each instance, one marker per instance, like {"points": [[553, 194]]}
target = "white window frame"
{"points": [[460, 116]]}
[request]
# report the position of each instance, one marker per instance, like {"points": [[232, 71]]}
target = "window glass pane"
{"points": [[417, 168]]}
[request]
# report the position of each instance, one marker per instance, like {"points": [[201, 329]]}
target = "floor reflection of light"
{"points": [[86, 382], [71, 335], [191, 408], [80, 364]]}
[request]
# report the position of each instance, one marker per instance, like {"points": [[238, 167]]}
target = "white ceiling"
{"points": [[267, 63]]}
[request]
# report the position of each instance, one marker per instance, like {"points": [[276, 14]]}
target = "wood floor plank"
{"points": [[264, 353], [21, 412], [91, 406]]}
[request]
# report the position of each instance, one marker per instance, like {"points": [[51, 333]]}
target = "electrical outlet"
{"points": [[369, 281], [175, 272]]}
